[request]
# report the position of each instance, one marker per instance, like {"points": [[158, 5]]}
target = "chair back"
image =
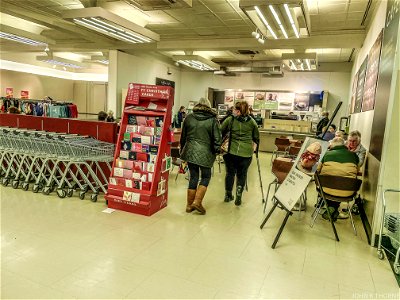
{"points": [[338, 182], [281, 144], [281, 167], [293, 150]]}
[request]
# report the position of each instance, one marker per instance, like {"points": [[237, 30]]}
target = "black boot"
{"points": [[239, 191], [228, 196]]}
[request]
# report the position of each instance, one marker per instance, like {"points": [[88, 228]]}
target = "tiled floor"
{"points": [[68, 248]]}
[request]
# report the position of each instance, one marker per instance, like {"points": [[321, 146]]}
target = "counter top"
{"points": [[262, 130]]}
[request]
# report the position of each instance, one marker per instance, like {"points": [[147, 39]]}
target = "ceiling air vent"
{"points": [[148, 5], [247, 52]]}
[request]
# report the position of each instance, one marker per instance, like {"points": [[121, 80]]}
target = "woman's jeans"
{"points": [[195, 174], [236, 166]]}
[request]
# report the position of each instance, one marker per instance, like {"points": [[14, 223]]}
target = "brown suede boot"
{"points": [[190, 198], [201, 191]]}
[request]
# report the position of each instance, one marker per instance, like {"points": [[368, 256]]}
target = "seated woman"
{"points": [[330, 134]]}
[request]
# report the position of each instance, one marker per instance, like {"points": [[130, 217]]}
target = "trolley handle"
{"points": [[388, 191]]}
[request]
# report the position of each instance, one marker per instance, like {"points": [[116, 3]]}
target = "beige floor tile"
{"points": [[290, 258], [165, 286], [16, 287], [287, 285], [339, 270], [230, 273]]}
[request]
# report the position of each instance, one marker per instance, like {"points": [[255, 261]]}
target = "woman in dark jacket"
{"points": [[244, 137], [200, 142]]}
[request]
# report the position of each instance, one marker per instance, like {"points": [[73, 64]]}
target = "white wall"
{"points": [[137, 69], [194, 85], [37, 85], [363, 121], [90, 97]]}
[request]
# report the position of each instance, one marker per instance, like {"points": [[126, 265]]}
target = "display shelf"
{"points": [[139, 178]]}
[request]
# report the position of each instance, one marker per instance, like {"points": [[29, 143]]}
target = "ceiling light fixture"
{"points": [[271, 8], [21, 39], [261, 16], [308, 64], [292, 65], [196, 62], [296, 32], [301, 61], [112, 25], [58, 61]]}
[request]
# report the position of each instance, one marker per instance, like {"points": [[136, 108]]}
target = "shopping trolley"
{"points": [[390, 227], [68, 162]]}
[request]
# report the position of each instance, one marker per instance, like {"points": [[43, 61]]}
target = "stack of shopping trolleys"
{"points": [[49, 161]]}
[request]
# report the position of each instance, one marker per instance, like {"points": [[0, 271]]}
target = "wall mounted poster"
{"points": [[285, 101], [302, 101], [239, 96], [249, 97], [360, 86], [372, 75], [24, 94], [9, 92], [229, 96], [353, 93]]}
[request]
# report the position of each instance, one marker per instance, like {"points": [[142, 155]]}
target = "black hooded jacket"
{"points": [[201, 137]]}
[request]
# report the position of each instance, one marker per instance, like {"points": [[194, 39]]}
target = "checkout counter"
{"points": [[274, 128]]}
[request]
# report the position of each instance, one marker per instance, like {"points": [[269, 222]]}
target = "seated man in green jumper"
{"points": [[338, 161]]}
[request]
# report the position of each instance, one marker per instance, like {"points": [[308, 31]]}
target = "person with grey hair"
{"points": [[354, 145], [200, 142], [338, 161]]}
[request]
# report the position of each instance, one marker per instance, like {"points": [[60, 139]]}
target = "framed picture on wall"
{"points": [[360, 86], [372, 75], [353, 93]]}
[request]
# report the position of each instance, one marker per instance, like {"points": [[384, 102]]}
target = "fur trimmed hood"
{"points": [[203, 112]]}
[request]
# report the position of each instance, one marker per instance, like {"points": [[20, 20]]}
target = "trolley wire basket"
{"points": [[390, 227]]}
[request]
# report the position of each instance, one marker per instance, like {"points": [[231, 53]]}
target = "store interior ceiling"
{"points": [[229, 33]]}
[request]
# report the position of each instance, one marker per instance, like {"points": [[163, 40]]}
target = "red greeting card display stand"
{"points": [[139, 179]]}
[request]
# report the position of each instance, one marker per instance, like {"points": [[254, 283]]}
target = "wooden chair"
{"points": [[281, 145], [335, 182], [280, 168]]}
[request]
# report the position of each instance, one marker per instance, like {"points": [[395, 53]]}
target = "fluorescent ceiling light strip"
{"points": [[115, 30], [123, 31], [95, 27], [196, 65], [20, 39], [288, 13], [295, 30], [271, 8], [56, 62], [302, 66], [291, 20], [50, 72], [308, 64], [261, 16], [110, 31], [293, 66], [283, 31]]}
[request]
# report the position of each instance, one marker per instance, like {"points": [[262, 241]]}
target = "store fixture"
{"points": [[278, 19], [112, 25], [139, 181]]}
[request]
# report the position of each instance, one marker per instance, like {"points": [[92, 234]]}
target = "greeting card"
{"points": [[118, 172], [124, 154], [132, 120]]}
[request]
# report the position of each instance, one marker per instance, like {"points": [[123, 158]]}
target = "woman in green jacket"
{"points": [[200, 142], [244, 138]]}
